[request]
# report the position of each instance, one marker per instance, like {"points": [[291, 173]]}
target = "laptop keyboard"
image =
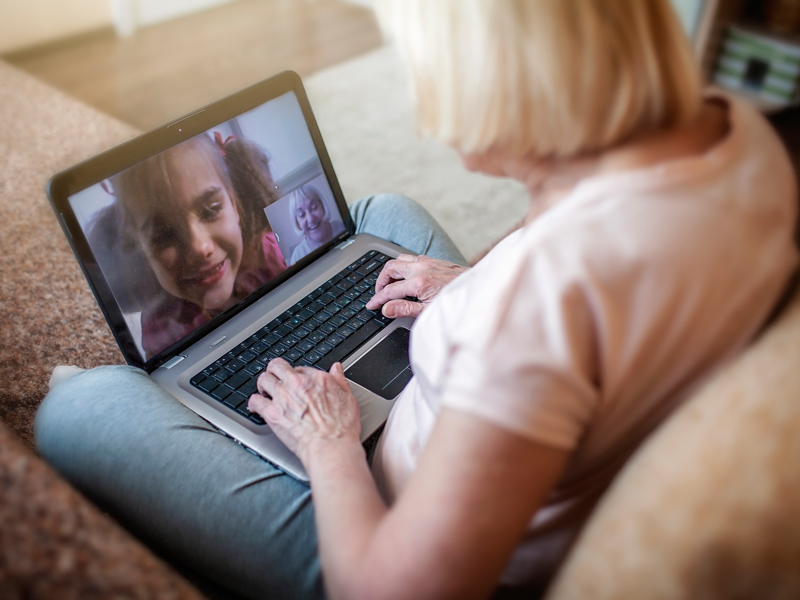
{"points": [[323, 328]]}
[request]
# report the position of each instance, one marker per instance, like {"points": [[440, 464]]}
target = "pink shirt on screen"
{"points": [[171, 319], [587, 327]]}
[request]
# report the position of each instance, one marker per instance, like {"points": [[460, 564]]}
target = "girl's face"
{"points": [[191, 233], [311, 219]]}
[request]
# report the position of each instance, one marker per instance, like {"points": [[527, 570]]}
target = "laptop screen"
{"points": [[201, 227]]}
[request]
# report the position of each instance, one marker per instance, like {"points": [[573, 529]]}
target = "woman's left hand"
{"points": [[304, 406]]}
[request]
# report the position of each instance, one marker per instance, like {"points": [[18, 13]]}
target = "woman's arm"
{"points": [[454, 527]]}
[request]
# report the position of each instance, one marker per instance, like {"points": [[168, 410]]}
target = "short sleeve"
{"points": [[526, 358]]}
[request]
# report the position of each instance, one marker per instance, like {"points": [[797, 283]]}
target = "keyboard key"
{"points": [[382, 320], [312, 357], [290, 341], [235, 365], [321, 317], [323, 349], [335, 339], [225, 359], [316, 307], [277, 351], [259, 348], [355, 323], [238, 380], [293, 323], [197, 379], [222, 375], [343, 302], [335, 291], [325, 299], [345, 332], [249, 388], [302, 332], [333, 309], [344, 350], [354, 278], [282, 331], [254, 368], [348, 313], [304, 315], [345, 284], [256, 418], [317, 337], [337, 321], [235, 400], [208, 385], [293, 355], [272, 339], [371, 253], [353, 294], [369, 267], [305, 346], [221, 393], [366, 315], [314, 294], [327, 328], [247, 357], [211, 370]]}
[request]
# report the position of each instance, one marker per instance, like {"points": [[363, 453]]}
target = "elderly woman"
{"points": [[659, 238]]}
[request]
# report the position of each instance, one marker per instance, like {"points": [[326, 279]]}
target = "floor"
{"points": [[169, 69]]}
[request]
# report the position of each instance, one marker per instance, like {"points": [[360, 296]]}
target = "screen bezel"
{"points": [[101, 167]]}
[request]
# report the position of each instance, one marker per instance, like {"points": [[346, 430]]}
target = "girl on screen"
{"points": [[196, 214]]}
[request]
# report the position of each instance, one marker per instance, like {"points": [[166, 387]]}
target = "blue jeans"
{"points": [[193, 494]]}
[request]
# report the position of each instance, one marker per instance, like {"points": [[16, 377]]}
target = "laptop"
{"points": [[203, 279]]}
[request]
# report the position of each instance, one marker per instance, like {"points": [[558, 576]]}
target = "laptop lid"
{"points": [[182, 228]]}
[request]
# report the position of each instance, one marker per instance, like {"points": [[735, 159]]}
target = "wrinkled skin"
{"points": [[304, 405], [420, 277]]}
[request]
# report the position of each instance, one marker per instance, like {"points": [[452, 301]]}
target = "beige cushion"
{"points": [[710, 506]]}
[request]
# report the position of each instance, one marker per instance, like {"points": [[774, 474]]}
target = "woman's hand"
{"points": [[420, 277], [305, 406]]}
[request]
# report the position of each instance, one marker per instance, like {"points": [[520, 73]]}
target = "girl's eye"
{"points": [[210, 211], [162, 237]]}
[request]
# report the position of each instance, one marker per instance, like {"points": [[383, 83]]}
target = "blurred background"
{"points": [[149, 61]]}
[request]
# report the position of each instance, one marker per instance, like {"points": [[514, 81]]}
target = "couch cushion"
{"points": [[707, 508]]}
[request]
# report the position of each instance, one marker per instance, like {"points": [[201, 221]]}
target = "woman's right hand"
{"points": [[407, 276]]}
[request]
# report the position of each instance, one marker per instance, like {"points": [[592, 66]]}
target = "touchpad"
{"points": [[385, 369]]}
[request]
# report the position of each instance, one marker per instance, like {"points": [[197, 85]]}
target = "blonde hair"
{"points": [[306, 193], [547, 78]]}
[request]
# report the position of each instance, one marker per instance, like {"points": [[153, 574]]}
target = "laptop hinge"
{"points": [[345, 244], [173, 361]]}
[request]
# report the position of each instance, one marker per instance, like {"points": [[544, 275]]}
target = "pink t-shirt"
{"points": [[585, 329]]}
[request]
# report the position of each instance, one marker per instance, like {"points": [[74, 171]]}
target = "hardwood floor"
{"points": [[166, 70]]}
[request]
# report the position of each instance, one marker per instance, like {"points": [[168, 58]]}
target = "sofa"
{"points": [[705, 509]]}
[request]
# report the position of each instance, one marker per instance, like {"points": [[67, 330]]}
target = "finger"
{"points": [[265, 383], [396, 309], [337, 371], [281, 369], [396, 291], [270, 411], [392, 271]]}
